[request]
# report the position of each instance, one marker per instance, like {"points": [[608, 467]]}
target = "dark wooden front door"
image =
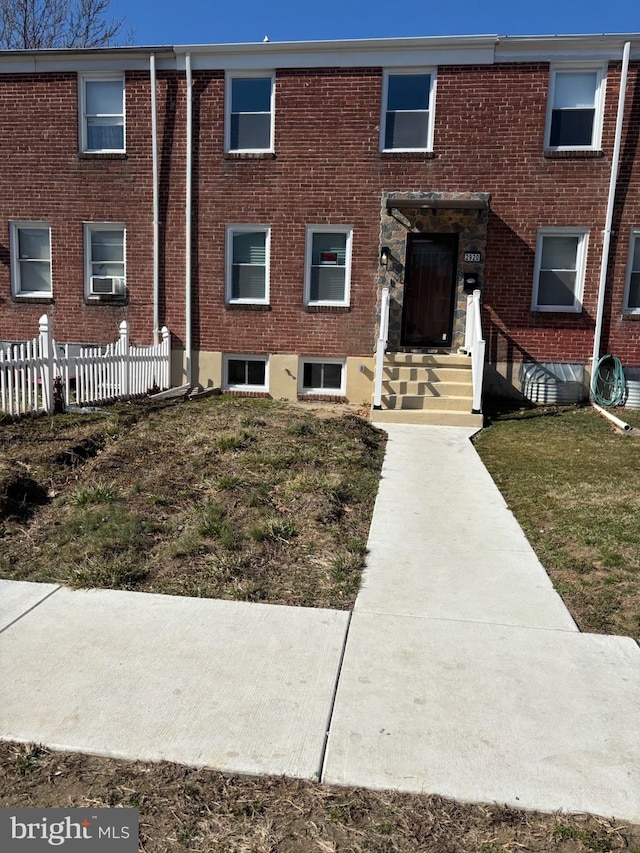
{"points": [[429, 290]]}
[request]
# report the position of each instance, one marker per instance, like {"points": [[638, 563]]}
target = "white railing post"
{"points": [[468, 328], [124, 358], [478, 347], [165, 371], [46, 369], [381, 346]]}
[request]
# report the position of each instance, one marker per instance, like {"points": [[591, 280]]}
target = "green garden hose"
{"points": [[608, 384]]}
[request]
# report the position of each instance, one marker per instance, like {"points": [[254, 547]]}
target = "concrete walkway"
{"points": [[460, 672]]}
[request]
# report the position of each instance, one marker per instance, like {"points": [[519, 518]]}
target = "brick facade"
{"points": [[326, 169]]}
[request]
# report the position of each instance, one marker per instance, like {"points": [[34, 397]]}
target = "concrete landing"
{"points": [[243, 688]]}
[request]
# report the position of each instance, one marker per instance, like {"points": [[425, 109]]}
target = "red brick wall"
{"points": [[489, 128]]}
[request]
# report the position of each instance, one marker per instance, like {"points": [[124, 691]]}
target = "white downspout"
{"points": [[187, 256], [156, 224], [606, 243]]}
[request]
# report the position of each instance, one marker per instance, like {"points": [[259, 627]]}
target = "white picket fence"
{"points": [[34, 374]]}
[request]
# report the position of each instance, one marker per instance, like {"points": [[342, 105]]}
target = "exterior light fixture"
{"points": [[385, 254]]}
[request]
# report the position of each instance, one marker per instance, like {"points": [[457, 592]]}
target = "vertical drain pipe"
{"points": [[187, 256], [156, 224], [606, 243]]}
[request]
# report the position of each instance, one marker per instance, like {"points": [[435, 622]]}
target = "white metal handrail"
{"points": [[475, 344], [381, 347]]}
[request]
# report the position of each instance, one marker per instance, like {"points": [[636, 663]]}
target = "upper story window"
{"points": [[328, 265], [632, 288], [102, 114], [249, 112], [559, 269], [31, 259], [104, 254], [574, 114], [248, 263], [407, 111]]}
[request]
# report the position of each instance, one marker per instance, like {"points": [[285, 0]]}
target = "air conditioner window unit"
{"points": [[105, 285]]}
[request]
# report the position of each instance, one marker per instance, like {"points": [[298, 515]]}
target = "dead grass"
{"points": [[226, 498], [188, 809], [571, 481]]}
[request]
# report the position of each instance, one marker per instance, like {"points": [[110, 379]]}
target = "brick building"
{"points": [[290, 183]]}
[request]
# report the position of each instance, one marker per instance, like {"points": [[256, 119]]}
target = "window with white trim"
{"points": [[632, 285], [407, 110], [559, 269], [102, 114], [247, 272], [249, 112], [328, 265], [246, 373], [31, 259], [322, 376], [104, 259], [574, 112]]}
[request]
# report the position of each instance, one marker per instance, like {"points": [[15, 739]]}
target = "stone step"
{"points": [[420, 402], [432, 388], [434, 417], [424, 373], [428, 360]]}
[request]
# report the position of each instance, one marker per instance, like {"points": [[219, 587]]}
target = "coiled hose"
{"points": [[608, 385]]}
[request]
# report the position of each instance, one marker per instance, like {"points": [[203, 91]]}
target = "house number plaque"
{"points": [[472, 257]]}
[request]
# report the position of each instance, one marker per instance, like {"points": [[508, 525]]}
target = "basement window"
{"points": [[246, 373], [322, 376]]}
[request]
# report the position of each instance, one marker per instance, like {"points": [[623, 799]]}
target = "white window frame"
{"points": [[634, 239], [327, 229], [88, 227], [581, 259], [302, 389], [230, 230], [599, 94], [16, 283], [228, 386], [230, 76], [398, 72], [83, 79]]}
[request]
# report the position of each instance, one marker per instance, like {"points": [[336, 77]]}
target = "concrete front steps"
{"points": [[427, 389]]}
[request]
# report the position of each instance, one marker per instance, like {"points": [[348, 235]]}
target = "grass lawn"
{"points": [[223, 497], [572, 480]]}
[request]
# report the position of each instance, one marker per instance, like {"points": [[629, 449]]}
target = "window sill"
{"points": [[249, 155], [313, 397], [327, 309], [576, 312], [627, 316], [575, 154], [247, 306], [33, 300], [407, 155], [236, 392], [102, 155], [97, 301]]}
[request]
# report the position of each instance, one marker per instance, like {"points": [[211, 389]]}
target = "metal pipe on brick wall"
{"points": [[606, 243], [156, 224], [187, 260]]}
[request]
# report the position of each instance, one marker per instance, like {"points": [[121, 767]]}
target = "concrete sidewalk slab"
{"points": [[243, 688], [535, 719], [18, 597]]}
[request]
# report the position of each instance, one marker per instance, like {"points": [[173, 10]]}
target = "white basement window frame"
{"points": [[105, 259], [575, 107], [318, 376], [102, 113], [560, 263], [249, 112], [328, 265], [245, 372], [30, 246], [408, 110], [247, 264], [631, 304]]}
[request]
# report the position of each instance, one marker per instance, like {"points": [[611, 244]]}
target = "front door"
{"points": [[429, 290]]}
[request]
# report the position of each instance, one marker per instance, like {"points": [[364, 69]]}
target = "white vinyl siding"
{"points": [[559, 269], [249, 112], [31, 259], [632, 287], [574, 114], [407, 111], [102, 125], [328, 265], [247, 264], [246, 373]]}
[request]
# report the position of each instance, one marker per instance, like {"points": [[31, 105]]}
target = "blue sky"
{"points": [[157, 22]]}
